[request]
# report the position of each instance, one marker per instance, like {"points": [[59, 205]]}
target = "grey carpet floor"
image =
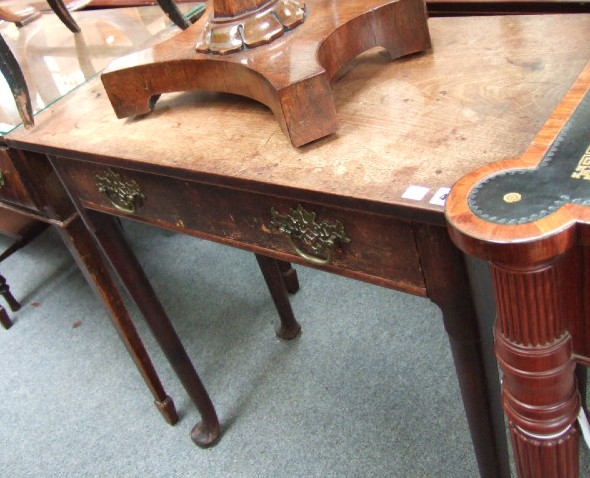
{"points": [[367, 390]]}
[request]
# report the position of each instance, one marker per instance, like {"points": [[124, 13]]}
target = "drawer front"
{"points": [[12, 189], [368, 247]]}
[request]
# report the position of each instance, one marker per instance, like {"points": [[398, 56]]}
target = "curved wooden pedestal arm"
{"points": [[529, 218], [289, 70]]}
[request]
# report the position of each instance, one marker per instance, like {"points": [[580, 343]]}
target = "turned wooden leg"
{"points": [[111, 239], [289, 275], [470, 337], [534, 349], [289, 327], [90, 261], [5, 292], [4, 319]]}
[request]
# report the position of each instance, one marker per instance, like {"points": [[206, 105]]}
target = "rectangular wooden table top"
{"points": [[480, 95]]}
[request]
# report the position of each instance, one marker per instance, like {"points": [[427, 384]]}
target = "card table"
{"points": [[529, 218]]}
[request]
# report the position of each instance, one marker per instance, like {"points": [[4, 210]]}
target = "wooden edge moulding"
{"points": [[282, 53]]}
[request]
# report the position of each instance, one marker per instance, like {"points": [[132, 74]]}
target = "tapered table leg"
{"points": [[112, 241], [534, 349], [289, 327], [90, 261], [448, 286]]}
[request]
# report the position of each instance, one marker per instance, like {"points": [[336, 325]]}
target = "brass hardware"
{"points": [[124, 195], [512, 197], [582, 170], [2, 179], [302, 230]]}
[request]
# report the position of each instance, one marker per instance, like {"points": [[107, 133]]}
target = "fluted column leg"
{"points": [[539, 389]]}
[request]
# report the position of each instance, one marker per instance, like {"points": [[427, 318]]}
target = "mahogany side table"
{"points": [[529, 217], [408, 130]]}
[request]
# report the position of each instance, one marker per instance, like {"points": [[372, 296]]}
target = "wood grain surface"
{"points": [[480, 95]]}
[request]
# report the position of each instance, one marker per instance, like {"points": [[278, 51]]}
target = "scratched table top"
{"points": [[408, 129]]}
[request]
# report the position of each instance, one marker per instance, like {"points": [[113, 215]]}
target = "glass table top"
{"points": [[55, 61]]}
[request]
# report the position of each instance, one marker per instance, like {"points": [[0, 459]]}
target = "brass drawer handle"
{"points": [[2, 179], [319, 238], [124, 195]]}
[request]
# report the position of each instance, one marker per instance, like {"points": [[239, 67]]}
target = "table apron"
{"points": [[382, 250]]}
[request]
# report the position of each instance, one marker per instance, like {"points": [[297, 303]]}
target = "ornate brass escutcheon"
{"points": [[2, 179], [319, 238], [124, 195]]}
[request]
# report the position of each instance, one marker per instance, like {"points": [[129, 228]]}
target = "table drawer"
{"points": [[369, 247], [12, 189]]}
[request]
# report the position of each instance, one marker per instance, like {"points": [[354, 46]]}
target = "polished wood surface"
{"points": [[541, 268], [422, 121], [290, 74]]}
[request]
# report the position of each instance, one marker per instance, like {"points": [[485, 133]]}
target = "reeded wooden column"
{"points": [[539, 390], [530, 219]]}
